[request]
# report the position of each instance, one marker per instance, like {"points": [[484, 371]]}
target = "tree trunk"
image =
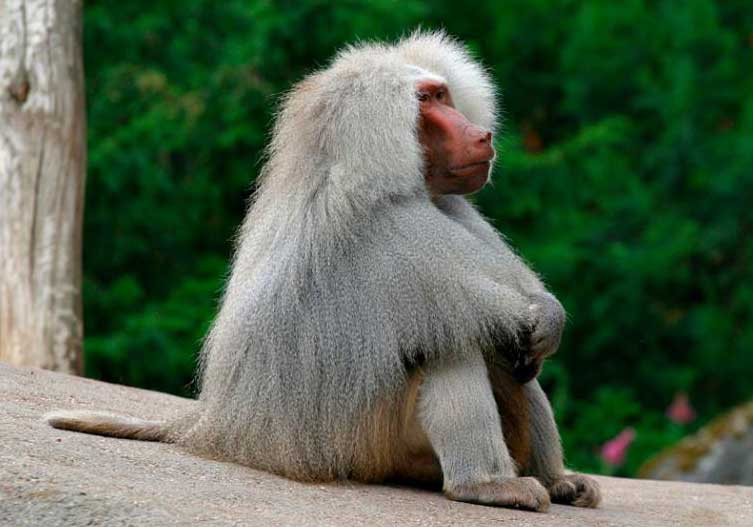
{"points": [[42, 170]]}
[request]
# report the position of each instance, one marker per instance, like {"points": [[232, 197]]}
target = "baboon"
{"points": [[374, 326]]}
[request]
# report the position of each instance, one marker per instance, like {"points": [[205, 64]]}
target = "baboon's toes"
{"points": [[577, 490], [513, 493]]}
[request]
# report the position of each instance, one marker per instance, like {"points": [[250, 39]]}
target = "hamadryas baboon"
{"points": [[375, 326]]}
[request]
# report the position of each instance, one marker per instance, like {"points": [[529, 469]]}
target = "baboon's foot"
{"points": [[577, 490], [513, 493]]}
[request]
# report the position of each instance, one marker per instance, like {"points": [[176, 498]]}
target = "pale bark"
{"points": [[42, 169]]}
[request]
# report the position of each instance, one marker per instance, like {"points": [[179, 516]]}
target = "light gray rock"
{"points": [[53, 478], [720, 452]]}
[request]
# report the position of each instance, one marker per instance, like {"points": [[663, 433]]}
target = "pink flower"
{"points": [[614, 450], [680, 411]]}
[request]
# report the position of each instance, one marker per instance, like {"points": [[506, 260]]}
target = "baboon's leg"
{"points": [[513, 407], [459, 415], [546, 460], [391, 444]]}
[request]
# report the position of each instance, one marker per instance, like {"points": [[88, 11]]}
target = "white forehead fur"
{"points": [[420, 74], [433, 56], [469, 83]]}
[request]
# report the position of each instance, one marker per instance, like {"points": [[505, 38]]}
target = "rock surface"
{"points": [[720, 452], [50, 477]]}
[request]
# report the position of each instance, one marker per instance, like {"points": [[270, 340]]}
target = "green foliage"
{"points": [[625, 177]]}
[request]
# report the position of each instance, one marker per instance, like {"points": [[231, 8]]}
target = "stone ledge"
{"points": [[50, 477]]}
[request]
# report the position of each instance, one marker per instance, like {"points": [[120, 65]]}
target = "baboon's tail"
{"points": [[107, 424]]}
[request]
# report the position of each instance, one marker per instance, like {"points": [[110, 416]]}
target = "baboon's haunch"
{"points": [[375, 326]]}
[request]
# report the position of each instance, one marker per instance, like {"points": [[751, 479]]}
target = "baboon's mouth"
{"points": [[471, 168]]}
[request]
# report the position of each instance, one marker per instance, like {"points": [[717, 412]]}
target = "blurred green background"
{"points": [[625, 177]]}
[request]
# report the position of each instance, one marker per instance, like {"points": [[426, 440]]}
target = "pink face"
{"points": [[458, 153]]}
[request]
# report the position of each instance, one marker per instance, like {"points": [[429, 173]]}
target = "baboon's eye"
{"points": [[441, 95], [422, 96]]}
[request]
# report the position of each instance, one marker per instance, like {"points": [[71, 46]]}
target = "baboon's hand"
{"points": [[547, 321]]}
